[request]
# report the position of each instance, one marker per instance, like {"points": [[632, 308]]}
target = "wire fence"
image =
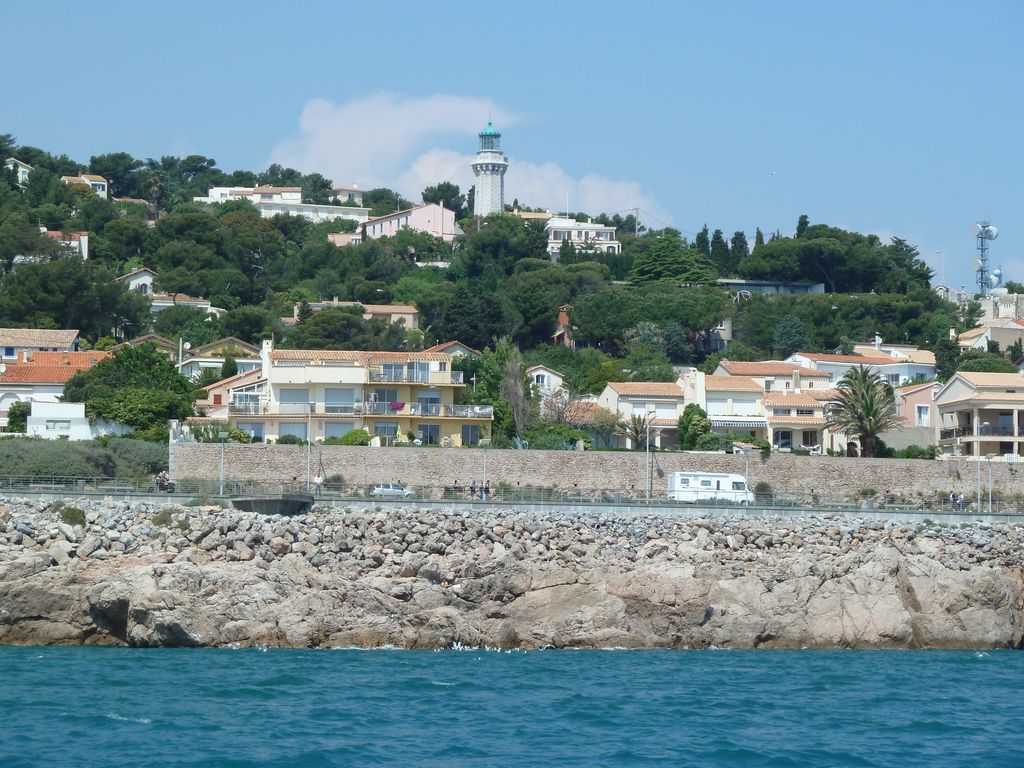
{"points": [[206, 489]]}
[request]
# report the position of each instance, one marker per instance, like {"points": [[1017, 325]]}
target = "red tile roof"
{"points": [[28, 373], [770, 368]]}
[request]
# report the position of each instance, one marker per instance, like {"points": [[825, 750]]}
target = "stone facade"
{"points": [[434, 467]]}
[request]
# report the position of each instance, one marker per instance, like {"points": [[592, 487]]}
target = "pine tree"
{"points": [[802, 224], [720, 255], [305, 312], [758, 239], [738, 249], [702, 243], [790, 336]]}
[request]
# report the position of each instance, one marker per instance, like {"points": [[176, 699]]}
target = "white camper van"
{"points": [[708, 486]]}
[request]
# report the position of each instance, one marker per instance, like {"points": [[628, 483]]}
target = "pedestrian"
{"points": [[318, 485], [472, 489], [487, 490], [952, 500], [960, 502]]}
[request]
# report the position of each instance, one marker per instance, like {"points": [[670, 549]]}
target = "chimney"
{"points": [[952, 334], [796, 379]]}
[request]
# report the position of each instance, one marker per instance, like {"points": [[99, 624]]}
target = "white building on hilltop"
{"points": [[489, 168], [584, 236], [270, 201]]}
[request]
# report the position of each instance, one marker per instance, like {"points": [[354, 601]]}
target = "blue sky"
{"points": [[896, 118]]}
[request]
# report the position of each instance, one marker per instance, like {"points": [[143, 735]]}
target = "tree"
{"points": [[634, 429], [702, 242], [1015, 352], [790, 336], [738, 250], [721, 256], [989, 362], [17, 416], [669, 258], [138, 386], [693, 424], [802, 224], [864, 407], [447, 194], [758, 238], [382, 201], [229, 367], [121, 170], [305, 312], [345, 328]]}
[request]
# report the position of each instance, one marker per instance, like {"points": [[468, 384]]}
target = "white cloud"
{"points": [[384, 140]]}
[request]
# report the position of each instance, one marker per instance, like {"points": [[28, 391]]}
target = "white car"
{"points": [[394, 490]]}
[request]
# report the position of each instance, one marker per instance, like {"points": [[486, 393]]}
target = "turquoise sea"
{"points": [[86, 707]]}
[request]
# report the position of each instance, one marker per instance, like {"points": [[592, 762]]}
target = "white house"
{"points": [[270, 201], [21, 170], [895, 370], [96, 183], [51, 421], [430, 219], [584, 235], [775, 375], [349, 193], [40, 376], [140, 280], [660, 403], [75, 241]]}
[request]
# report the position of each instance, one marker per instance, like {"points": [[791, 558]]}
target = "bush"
{"points": [[162, 518], [557, 437], [105, 457], [72, 516], [290, 440], [356, 437], [713, 441], [763, 491], [917, 452]]}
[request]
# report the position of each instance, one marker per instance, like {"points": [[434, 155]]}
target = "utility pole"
{"points": [[636, 222]]}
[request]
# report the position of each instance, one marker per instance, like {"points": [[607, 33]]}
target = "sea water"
{"points": [[86, 707]]}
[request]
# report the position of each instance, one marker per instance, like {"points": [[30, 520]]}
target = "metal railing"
{"points": [[199, 490], [368, 408]]}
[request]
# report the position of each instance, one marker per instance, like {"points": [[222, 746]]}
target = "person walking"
{"points": [[485, 492], [472, 489], [318, 485], [960, 502]]}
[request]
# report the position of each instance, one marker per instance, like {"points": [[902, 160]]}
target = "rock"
{"points": [[89, 545], [280, 546]]}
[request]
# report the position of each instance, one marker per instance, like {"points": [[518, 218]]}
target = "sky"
{"points": [[895, 118]]}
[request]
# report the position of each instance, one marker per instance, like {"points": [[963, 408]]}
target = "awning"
{"points": [[741, 423]]}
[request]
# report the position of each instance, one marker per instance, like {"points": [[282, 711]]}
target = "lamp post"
{"points": [[977, 459], [484, 442], [223, 436], [988, 460], [309, 442], [647, 453]]}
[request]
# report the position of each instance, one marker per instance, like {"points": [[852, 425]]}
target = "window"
{"points": [[541, 380], [739, 485], [892, 378], [338, 428], [430, 434], [385, 428], [705, 483], [768, 385], [297, 429], [804, 412], [780, 411], [788, 384], [470, 434], [253, 429], [810, 437], [339, 400], [60, 426], [924, 413]]}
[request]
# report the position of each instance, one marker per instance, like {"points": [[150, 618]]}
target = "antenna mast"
{"points": [[984, 232]]}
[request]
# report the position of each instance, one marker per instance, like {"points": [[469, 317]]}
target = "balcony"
{"points": [[415, 377], [952, 433], [371, 409]]}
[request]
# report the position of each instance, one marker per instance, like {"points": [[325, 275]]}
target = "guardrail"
{"points": [[202, 489]]}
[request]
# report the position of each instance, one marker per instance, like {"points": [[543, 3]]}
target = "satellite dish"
{"points": [[991, 232], [976, 229], [977, 264], [993, 281], [997, 273]]}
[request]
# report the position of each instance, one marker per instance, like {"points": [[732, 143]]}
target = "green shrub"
{"points": [[105, 457], [713, 441], [290, 440], [162, 518], [356, 437], [72, 516], [17, 416], [763, 491]]}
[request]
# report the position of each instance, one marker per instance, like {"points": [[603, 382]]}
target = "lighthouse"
{"points": [[489, 168]]}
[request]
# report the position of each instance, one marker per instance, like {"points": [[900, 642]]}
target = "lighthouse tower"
{"points": [[489, 168]]}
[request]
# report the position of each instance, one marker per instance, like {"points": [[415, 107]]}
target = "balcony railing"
{"points": [[951, 433], [415, 377], [392, 408]]}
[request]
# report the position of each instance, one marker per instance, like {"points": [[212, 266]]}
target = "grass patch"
{"points": [[163, 518], [72, 516]]}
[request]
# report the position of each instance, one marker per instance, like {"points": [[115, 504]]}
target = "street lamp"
{"points": [[309, 442], [222, 436], [647, 453], [977, 459], [484, 442], [988, 460]]}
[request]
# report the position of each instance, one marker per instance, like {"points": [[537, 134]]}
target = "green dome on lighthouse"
{"points": [[490, 130]]}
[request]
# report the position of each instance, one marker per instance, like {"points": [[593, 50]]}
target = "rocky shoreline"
{"points": [[146, 574]]}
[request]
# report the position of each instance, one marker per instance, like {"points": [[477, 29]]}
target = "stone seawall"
{"points": [[436, 467], [161, 575]]}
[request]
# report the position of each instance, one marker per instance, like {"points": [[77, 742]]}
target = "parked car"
{"points": [[393, 490]]}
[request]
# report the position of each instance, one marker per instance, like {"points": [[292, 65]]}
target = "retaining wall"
{"points": [[435, 467]]}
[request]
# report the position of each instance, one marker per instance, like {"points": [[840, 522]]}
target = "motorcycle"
{"points": [[162, 484]]}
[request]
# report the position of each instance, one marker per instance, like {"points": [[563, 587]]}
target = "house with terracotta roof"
{"points": [[140, 280], [1002, 331], [915, 403], [17, 342], [407, 314], [319, 394], [162, 343], [96, 183], [245, 386], [40, 376], [660, 402], [982, 414], [798, 420], [732, 403], [77, 242], [211, 356], [455, 349], [894, 370], [776, 375]]}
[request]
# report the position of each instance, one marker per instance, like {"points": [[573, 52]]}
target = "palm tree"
{"points": [[634, 429], [864, 406]]}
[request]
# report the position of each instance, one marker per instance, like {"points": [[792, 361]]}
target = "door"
{"points": [[339, 400], [293, 400], [430, 434], [429, 403]]}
